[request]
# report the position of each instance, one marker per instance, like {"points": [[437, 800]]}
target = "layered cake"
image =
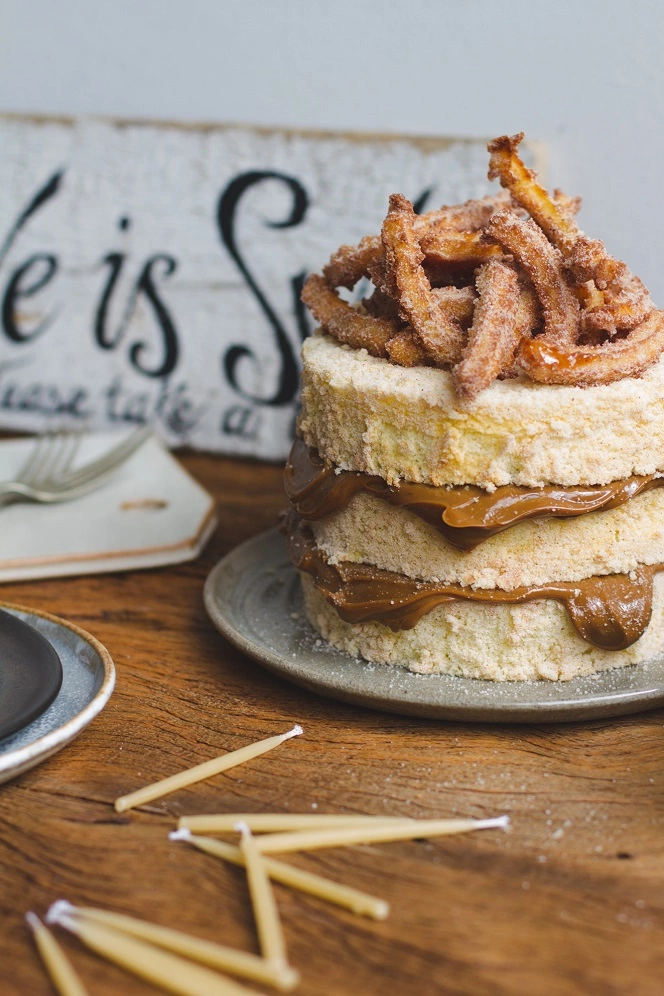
{"points": [[476, 485]]}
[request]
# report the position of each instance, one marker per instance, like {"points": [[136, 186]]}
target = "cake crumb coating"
{"points": [[362, 413], [531, 642]]}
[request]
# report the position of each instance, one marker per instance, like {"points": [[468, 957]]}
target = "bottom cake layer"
{"points": [[499, 642]]}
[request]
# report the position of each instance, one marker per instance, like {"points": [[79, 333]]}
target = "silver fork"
{"points": [[47, 475]]}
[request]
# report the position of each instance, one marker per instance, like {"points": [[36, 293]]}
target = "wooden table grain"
{"points": [[570, 901]]}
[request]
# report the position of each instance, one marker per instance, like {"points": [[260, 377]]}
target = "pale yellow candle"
{"points": [[201, 771], [270, 822], [266, 914], [314, 885], [169, 971], [225, 959], [307, 840], [58, 966]]}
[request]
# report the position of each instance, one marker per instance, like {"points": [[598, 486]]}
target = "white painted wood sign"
{"points": [[153, 272]]}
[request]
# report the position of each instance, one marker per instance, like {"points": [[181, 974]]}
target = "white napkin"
{"points": [[149, 512]]}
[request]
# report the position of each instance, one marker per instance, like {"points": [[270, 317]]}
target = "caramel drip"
{"points": [[610, 611], [465, 515]]}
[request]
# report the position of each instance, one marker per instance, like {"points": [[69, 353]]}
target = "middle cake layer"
{"points": [[510, 537], [533, 552]]}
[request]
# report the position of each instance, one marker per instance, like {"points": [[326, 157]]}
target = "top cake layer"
{"points": [[408, 423]]}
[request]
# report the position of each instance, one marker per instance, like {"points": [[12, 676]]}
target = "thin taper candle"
{"points": [[201, 771], [56, 963], [271, 822], [266, 914], [295, 878], [307, 840], [218, 956], [170, 972]]}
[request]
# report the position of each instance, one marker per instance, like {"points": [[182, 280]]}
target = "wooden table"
{"points": [[569, 902]]}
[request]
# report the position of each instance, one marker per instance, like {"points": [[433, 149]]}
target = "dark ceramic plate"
{"points": [[88, 677], [253, 597], [30, 674]]}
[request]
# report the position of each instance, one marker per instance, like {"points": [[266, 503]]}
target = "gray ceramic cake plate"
{"points": [[88, 677], [253, 597]]}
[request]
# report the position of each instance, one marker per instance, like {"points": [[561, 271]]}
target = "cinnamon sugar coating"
{"points": [[586, 300]]}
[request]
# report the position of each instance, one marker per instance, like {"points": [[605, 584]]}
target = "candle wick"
{"points": [[297, 731], [182, 834], [498, 821], [242, 828], [32, 919], [61, 907], [61, 918]]}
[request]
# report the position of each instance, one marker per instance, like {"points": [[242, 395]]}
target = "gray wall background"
{"points": [[585, 78]]}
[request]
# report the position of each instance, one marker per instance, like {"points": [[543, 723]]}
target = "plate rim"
{"points": [[566, 710], [21, 759]]}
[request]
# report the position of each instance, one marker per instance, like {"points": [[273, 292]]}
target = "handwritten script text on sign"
{"points": [[153, 273]]}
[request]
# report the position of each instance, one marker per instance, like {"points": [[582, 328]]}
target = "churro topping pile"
{"points": [[505, 286]]}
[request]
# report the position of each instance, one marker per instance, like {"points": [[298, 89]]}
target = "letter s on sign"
{"points": [[227, 211]]}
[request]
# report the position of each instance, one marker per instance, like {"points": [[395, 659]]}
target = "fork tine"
{"points": [[49, 469], [45, 473], [77, 436], [70, 444], [37, 453], [108, 462]]}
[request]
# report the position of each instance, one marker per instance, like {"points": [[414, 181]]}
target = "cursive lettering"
{"points": [[41, 398], [173, 406], [19, 285], [229, 203], [242, 421], [19, 288]]}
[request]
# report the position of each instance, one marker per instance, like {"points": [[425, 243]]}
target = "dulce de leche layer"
{"points": [[609, 611], [465, 515]]}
